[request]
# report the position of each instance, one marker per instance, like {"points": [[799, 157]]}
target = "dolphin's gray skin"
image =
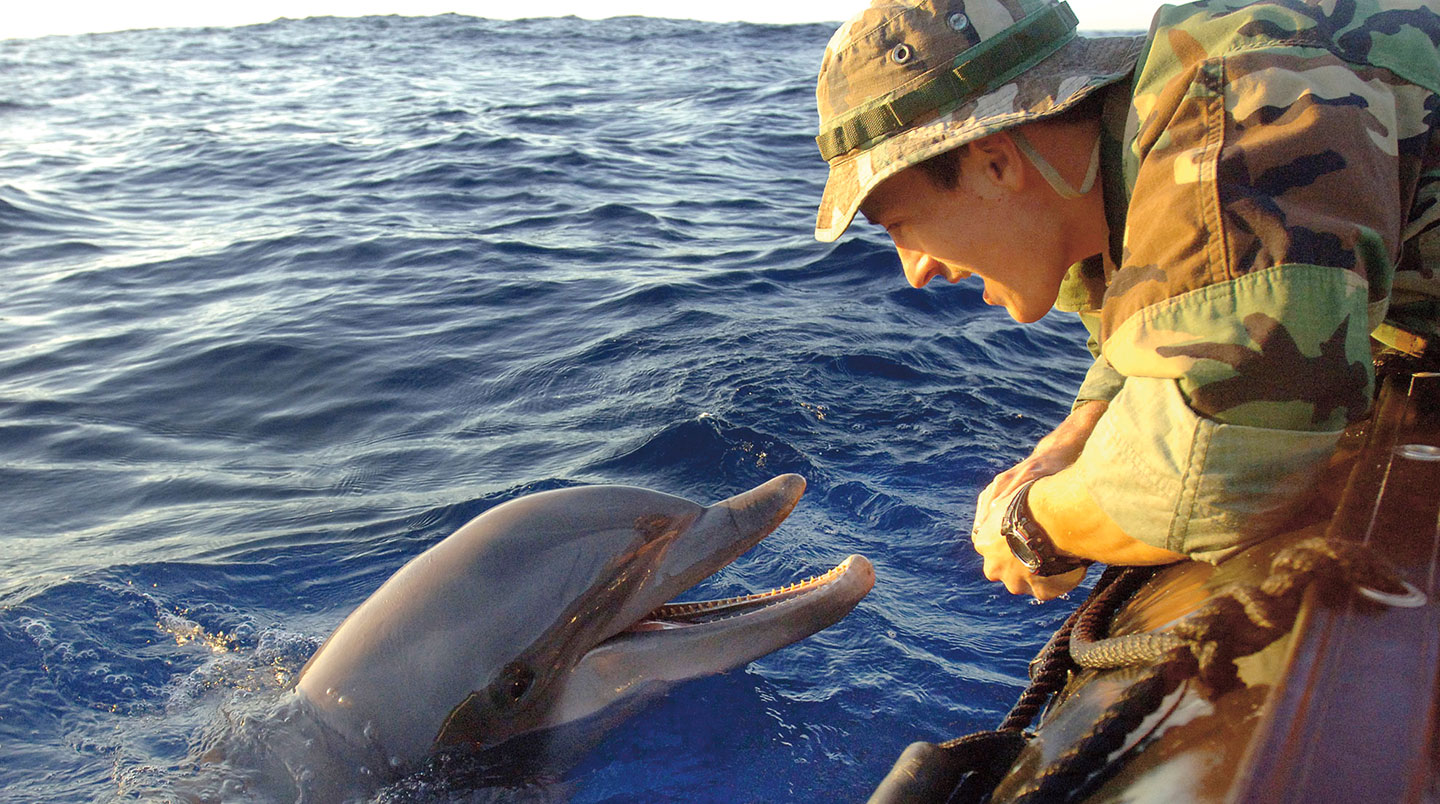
{"points": [[550, 608]]}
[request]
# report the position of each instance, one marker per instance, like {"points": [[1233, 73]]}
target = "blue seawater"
{"points": [[284, 305]]}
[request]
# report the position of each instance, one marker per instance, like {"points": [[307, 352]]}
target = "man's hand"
{"points": [[1052, 454], [1002, 565]]}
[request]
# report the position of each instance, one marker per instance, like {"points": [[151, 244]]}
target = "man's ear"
{"points": [[995, 161]]}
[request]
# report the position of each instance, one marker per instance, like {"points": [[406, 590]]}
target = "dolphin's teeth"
{"points": [[716, 610]]}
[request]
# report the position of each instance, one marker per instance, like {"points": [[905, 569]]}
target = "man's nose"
{"points": [[919, 267]]}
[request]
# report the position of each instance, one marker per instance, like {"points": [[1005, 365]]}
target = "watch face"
{"points": [[1022, 550]]}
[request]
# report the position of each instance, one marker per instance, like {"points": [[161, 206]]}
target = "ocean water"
{"points": [[284, 305]]}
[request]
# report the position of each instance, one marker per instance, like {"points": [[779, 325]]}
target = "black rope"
{"points": [[967, 769], [1051, 669], [1079, 771]]}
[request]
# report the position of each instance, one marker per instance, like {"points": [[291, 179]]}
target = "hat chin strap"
{"points": [[1051, 175]]}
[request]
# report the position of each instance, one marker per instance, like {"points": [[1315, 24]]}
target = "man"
{"points": [[1233, 204]]}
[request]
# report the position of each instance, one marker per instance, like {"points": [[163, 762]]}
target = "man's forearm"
{"points": [[1069, 438], [1076, 524]]}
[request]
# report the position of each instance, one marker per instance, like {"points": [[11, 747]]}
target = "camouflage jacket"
{"points": [[1272, 180]]}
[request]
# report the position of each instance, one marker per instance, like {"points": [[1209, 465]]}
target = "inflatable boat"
{"points": [[1303, 669]]}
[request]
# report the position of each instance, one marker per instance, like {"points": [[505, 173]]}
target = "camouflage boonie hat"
{"points": [[906, 80]]}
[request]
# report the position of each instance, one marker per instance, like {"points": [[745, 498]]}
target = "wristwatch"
{"points": [[1030, 543]]}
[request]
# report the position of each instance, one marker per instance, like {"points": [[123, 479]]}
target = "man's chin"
{"points": [[1025, 317]]}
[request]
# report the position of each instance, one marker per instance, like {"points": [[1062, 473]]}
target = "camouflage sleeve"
{"points": [[1102, 382], [1271, 187]]}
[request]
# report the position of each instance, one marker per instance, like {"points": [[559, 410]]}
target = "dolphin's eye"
{"points": [[514, 682]]}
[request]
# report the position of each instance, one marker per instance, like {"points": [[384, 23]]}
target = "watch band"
{"points": [[1030, 543]]}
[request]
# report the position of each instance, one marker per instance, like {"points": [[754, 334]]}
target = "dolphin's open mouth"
{"points": [[665, 639], [656, 638], [684, 615]]}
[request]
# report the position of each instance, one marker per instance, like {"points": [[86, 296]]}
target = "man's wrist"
{"points": [[1030, 543]]}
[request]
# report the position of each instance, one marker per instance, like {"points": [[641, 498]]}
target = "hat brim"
{"points": [[1071, 74]]}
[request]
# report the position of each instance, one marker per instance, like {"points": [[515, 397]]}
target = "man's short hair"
{"points": [[943, 170]]}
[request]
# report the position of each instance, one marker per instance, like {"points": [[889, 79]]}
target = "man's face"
{"points": [[979, 228]]}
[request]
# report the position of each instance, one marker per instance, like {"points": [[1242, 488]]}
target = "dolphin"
{"points": [[549, 609]]}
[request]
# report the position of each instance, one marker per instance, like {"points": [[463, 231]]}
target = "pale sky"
{"points": [[28, 18]]}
